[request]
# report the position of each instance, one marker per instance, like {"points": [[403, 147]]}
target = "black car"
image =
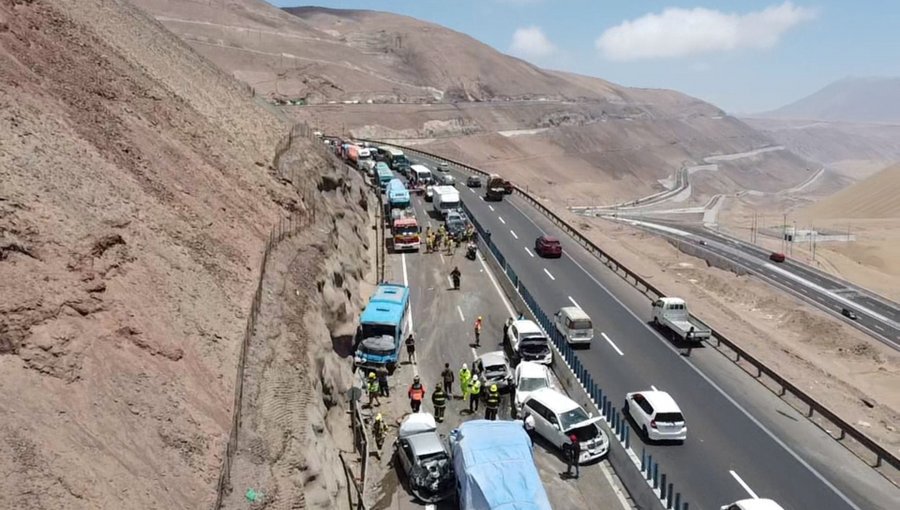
{"points": [[848, 313], [473, 181]]}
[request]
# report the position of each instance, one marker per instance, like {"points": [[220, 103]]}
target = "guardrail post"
{"points": [[669, 499], [627, 436], [677, 500], [649, 464], [656, 475], [662, 486], [685, 506], [643, 458]]}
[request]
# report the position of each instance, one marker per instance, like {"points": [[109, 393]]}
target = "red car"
{"points": [[776, 257], [547, 246]]}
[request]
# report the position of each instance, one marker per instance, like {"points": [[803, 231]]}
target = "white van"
{"points": [[574, 325], [556, 417]]}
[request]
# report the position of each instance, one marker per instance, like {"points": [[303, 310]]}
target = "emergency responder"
{"points": [[374, 390], [465, 377], [410, 349], [478, 332], [384, 389], [416, 394], [447, 377], [474, 394], [448, 244], [378, 430], [574, 452], [492, 403], [439, 400]]}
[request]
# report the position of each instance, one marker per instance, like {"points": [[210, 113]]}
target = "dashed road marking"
{"points": [[652, 387], [529, 252], [574, 302], [548, 274], [513, 234], [502, 220], [442, 261], [461, 317], [744, 485], [610, 342], [491, 208]]}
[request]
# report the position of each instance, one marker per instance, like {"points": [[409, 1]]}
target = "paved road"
{"points": [[729, 454], [443, 322], [877, 317]]}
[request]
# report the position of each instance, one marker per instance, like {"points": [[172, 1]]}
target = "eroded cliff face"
{"points": [[138, 186]]}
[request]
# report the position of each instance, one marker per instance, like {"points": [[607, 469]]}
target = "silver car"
{"points": [[493, 368], [424, 459]]}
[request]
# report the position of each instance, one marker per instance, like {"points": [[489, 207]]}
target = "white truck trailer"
{"points": [[671, 313], [446, 199]]}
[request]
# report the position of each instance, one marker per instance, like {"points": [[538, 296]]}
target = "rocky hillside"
{"points": [[139, 185], [847, 100]]}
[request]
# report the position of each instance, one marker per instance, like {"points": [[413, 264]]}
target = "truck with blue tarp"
{"points": [[494, 465], [382, 328]]}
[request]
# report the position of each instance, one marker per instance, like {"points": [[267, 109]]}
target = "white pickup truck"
{"points": [[671, 313]]}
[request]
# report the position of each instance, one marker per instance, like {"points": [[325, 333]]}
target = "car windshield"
{"points": [[495, 370], [373, 330], [572, 417], [407, 230], [531, 384]]}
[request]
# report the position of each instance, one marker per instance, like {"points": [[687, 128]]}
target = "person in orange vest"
{"points": [[416, 394]]}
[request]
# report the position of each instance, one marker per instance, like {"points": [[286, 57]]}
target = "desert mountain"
{"points": [[847, 100], [138, 187], [386, 76], [874, 197]]}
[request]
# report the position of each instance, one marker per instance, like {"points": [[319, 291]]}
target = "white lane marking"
{"points": [[666, 344], [450, 280], [548, 274], [481, 198], [879, 328], [801, 289], [491, 208], [513, 234], [430, 507], [472, 190], [575, 303], [619, 494], [442, 260], [652, 387], [529, 252], [461, 317], [509, 307], [744, 485], [501, 220], [610, 342], [474, 354]]}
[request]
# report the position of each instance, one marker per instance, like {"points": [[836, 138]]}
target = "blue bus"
{"points": [[382, 328], [398, 195], [383, 174]]}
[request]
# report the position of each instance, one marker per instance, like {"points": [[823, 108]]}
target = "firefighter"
{"points": [[465, 377], [374, 390], [492, 403], [378, 430], [416, 394], [474, 394], [439, 400]]}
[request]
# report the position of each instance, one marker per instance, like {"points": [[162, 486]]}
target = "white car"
{"points": [[528, 341], [657, 415], [753, 504], [429, 193], [556, 417], [530, 377], [443, 166]]}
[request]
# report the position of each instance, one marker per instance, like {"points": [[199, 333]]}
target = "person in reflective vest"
{"points": [[492, 403], [374, 390], [378, 429], [439, 399], [474, 394], [416, 394], [465, 377]]}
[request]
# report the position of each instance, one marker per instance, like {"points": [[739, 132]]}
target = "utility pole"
{"points": [[784, 234]]}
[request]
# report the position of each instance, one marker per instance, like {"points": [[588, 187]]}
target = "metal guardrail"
{"points": [[882, 455]]}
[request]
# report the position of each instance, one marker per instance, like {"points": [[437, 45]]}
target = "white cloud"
{"points": [[683, 32], [530, 42]]}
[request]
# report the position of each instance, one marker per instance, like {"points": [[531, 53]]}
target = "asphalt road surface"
{"points": [[730, 453]]}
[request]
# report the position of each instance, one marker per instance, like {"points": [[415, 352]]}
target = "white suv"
{"points": [[528, 341], [556, 417], [657, 414], [530, 377]]}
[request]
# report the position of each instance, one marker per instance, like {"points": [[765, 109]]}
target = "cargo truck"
{"points": [[494, 465], [495, 188], [445, 199], [671, 313]]}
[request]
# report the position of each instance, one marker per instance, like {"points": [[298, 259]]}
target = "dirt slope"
{"points": [[138, 184], [874, 197]]}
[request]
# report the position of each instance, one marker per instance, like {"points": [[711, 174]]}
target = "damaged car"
{"points": [[423, 457]]}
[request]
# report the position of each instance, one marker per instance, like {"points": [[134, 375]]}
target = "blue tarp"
{"points": [[495, 468]]}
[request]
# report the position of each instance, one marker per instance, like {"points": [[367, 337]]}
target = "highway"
{"points": [[876, 317], [442, 321], [731, 453]]}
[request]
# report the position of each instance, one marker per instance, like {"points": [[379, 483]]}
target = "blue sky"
{"points": [[744, 56]]}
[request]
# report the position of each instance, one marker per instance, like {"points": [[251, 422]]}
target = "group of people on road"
{"points": [[440, 238]]}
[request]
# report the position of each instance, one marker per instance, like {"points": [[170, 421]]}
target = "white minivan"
{"points": [[556, 417], [575, 325]]}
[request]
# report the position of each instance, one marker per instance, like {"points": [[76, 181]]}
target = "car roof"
{"points": [[425, 443], [554, 400], [526, 326], [574, 313], [661, 401], [493, 358], [549, 239], [530, 369], [758, 504]]}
